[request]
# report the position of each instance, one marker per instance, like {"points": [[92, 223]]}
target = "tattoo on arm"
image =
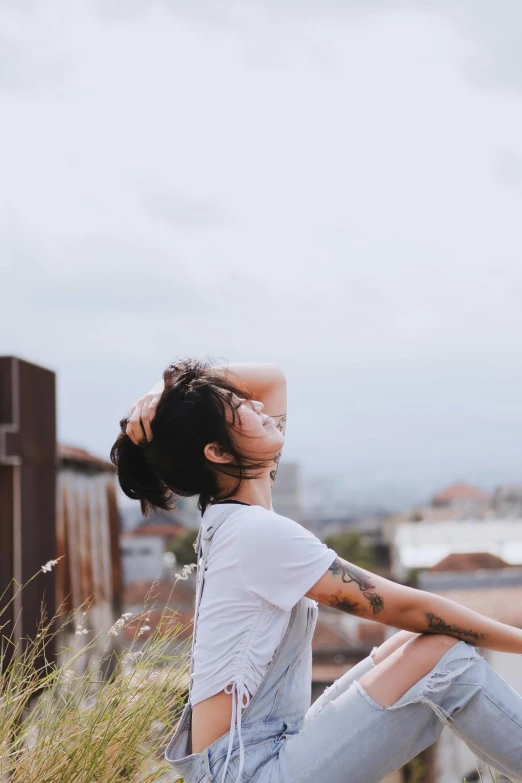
{"points": [[438, 625], [340, 602], [350, 573]]}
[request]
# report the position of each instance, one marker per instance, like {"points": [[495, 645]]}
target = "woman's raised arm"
{"points": [[267, 384]]}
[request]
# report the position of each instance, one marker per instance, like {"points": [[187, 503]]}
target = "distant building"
{"points": [[416, 545], [507, 501], [287, 498], [469, 561], [142, 558], [465, 499], [164, 525]]}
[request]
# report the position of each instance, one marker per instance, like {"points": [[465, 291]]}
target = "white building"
{"points": [[142, 558], [416, 545]]}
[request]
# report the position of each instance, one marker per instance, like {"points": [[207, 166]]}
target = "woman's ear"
{"points": [[214, 453]]}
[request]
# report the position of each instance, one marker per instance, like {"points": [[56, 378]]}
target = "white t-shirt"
{"points": [[260, 564]]}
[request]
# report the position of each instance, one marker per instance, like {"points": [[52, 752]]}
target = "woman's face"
{"points": [[255, 433]]}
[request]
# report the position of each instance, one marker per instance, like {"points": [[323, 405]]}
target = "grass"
{"points": [[493, 775], [67, 721]]}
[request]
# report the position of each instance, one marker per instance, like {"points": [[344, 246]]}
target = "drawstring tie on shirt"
{"points": [[240, 700]]}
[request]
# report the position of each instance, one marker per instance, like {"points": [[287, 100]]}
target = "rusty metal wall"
{"points": [[88, 530]]}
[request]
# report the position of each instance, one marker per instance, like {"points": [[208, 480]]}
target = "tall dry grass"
{"points": [[61, 726]]}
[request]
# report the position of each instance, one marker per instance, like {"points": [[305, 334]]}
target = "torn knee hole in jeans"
{"points": [[435, 681]]}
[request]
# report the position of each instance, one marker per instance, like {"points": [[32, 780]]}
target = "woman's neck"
{"points": [[255, 492]]}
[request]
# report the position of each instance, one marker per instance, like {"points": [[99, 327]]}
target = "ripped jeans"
{"points": [[348, 736]]}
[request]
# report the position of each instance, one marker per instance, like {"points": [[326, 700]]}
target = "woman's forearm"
{"points": [[430, 613], [257, 378]]}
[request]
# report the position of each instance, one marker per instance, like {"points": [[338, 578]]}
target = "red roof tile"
{"points": [[460, 491], [469, 561], [81, 457]]}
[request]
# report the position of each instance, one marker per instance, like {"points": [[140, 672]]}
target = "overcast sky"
{"points": [[334, 186]]}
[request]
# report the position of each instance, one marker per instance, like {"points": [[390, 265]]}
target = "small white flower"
{"points": [[185, 571], [49, 565], [131, 657], [143, 629], [119, 623]]}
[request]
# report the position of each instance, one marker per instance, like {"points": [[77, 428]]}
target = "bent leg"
{"points": [[355, 738], [377, 655], [405, 666]]}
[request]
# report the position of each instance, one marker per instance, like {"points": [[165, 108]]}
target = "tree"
{"points": [[183, 548], [349, 547]]}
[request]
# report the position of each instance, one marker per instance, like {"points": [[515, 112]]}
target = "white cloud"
{"points": [[320, 190]]}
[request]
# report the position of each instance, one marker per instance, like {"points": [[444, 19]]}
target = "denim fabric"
{"points": [[346, 736]]}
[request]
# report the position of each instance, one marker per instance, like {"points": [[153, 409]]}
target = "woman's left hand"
{"points": [[141, 414]]}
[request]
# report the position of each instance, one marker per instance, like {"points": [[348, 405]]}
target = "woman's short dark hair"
{"points": [[191, 413]]}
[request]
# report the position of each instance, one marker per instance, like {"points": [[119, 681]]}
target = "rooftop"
{"points": [[469, 561], [459, 491], [80, 458]]}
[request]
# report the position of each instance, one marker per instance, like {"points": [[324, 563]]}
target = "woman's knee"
{"points": [[401, 669], [392, 644]]}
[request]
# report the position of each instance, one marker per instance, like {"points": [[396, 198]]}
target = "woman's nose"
{"points": [[259, 406]]}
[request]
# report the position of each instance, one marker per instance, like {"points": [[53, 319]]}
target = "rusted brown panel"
{"points": [[90, 552], [6, 547], [63, 576], [115, 532], [6, 400], [27, 407], [100, 536], [37, 400], [39, 542]]}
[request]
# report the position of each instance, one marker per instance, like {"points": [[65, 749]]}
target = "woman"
{"points": [[216, 433]]}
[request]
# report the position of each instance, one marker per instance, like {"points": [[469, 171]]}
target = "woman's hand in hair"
{"points": [[141, 414]]}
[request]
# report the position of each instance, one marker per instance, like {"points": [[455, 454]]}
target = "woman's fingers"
{"points": [[142, 413], [147, 414], [134, 429]]}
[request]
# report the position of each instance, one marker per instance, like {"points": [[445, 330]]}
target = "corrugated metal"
{"points": [[88, 529]]}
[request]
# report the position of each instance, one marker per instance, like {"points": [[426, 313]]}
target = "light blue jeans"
{"points": [[346, 736]]}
